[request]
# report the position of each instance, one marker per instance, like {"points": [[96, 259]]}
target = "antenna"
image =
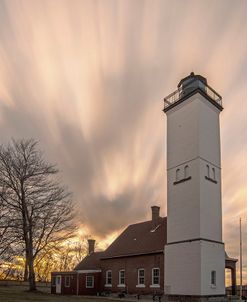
{"points": [[241, 268]]}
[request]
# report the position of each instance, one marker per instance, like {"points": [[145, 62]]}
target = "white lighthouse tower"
{"points": [[194, 253]]}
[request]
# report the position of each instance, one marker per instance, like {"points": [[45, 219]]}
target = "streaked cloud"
{"points": [[87, 79]]}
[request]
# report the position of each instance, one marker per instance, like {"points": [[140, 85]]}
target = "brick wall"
{"points": [[71, 289], [131, 266], [83, 290]]}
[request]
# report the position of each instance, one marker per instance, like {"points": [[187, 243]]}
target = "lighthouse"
{"points": [[194, 253]]}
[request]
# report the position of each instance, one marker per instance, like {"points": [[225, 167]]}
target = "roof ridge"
{"points": [[142, 222]]}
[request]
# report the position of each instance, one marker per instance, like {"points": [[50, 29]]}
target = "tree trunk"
{"points": [[32, 283], [25, 278], [31, 275]]}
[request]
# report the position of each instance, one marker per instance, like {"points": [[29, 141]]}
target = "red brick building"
{"points": [[133, 263]]}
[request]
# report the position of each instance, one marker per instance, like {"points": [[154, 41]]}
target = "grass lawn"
{"points": [[20, 294]]}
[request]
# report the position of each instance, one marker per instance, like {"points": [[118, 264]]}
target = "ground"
{"points": [[20, 294]]}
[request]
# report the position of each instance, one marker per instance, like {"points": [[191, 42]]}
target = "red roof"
{"points": [[136, 239], [90, 262], [139, 238]]}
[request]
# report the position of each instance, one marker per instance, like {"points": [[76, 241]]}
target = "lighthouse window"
{"points": [[213, 170], [208, 175], [213, 278], [182, 178], [186, 171], [211, 177]]}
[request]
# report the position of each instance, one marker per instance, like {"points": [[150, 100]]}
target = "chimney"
{"points": [[91, 244], [155, 216]]}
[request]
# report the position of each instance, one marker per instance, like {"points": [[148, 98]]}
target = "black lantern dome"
{"points": [[192, 82]]}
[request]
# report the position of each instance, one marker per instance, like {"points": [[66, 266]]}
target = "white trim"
{"points": [[121, 285], [107, 277], [141, 285], [64, 273], [138, 276], [155, 286], [156, 228], [86, 271], [65, 281], [92, 282], [119, 277]]}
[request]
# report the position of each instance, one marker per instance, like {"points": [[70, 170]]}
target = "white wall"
{"points": [[208, 131], [188, 268], [192, 131], [182, 133], [183, 206], [210, 204], [194, 206], [183, 269], [212, 258]]}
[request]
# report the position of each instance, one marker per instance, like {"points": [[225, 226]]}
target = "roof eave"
{"points": [[185, 97], [132, 255]]}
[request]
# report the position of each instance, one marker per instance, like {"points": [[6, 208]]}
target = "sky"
{"points": [[87, 80]]}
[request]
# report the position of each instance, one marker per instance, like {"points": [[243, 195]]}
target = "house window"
{"points": [[67, 281], [141, 276], [177, 174], [213, 278], [122, 277], [89, 281], [155, 276], [53, 281], [108, 277]]}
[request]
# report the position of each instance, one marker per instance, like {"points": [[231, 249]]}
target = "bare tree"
{"points": [[39, 209], [64, 256], [7, 238]]}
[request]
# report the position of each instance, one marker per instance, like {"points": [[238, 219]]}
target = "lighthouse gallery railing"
{"points": [[193, 85]]}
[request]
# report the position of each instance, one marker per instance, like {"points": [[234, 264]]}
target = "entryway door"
{"points": [[58, 284]]}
